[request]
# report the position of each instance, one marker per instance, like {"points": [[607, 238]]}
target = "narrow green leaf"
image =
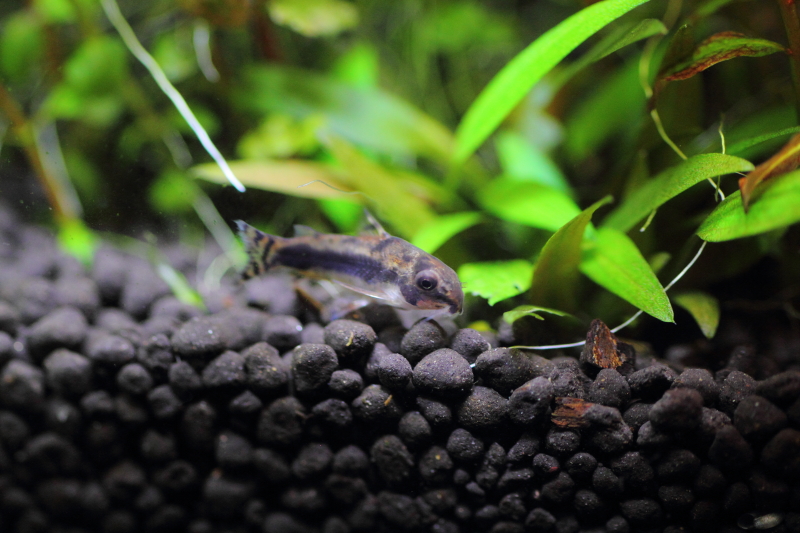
{"points": [[77, 240], [366, 116], [555, 276], [774, 205], [614, 106], [179, 286], [395, 203], [617, 39], [442, 228], [741, 146], [514, 81], [717, 48], [614, 262], [530, 310], [306, 179], [670, 183], [496, 280], [528, 203], [523, 161], [703, 307]]}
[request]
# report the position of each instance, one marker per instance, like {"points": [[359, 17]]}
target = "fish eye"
{"points": [[427, 280]]}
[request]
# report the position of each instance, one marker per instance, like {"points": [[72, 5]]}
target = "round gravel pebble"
{"points": [[463, 446], [393, 371], [484, 409], [65, 327], [443, 373], [678, 410], [758, 419], [265, 372], [423, 338], [505, 369], [469, 343], [530, 404], [134, 379], [68, 373], [352, 341], [312, 366]]}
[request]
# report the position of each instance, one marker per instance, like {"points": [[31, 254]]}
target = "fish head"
{"points": [[434, 286]]}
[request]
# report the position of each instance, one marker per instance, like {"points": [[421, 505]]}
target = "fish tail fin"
{"points": [[258, 246]]}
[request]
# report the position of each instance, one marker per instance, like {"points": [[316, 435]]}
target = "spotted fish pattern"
{"points": [[380, 265]]}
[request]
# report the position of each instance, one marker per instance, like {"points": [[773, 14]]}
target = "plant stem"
{"points": [[792, 24], [23, 130]]}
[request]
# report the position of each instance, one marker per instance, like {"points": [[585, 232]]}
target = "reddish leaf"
{"points": [[717, 48], [787, 159]]}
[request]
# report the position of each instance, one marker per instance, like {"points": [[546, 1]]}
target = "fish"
{"points": [[374, 264]]}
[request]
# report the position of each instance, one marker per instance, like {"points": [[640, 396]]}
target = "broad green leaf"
{"points": [[615, 104], [496, 280], [365, 116], [703, 307], [670, 183], [280, 136], [523, 161], [614, 262], [77, 240], [394, 202], [55, 11], [442, 228], [172, 192], [556, 273], [174, 51], [21, 45], [306, 179], [358, 67], [98, 66], [773, 206], [617, 39], [717, 48], [314, 18], [530, 310], [346, 214], [528, 203], [514, 81]]}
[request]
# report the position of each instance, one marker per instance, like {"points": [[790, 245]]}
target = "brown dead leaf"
{"points": [[569, 412], [787, 159]]}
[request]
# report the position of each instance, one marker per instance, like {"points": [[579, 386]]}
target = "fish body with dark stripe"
{"points": [[380, 266]]}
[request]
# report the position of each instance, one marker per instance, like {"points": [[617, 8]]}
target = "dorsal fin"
{"points": [[304, 231], [372, 226]]}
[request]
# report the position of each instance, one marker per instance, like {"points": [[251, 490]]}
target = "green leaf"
{"points": [[358, 67], [98, 66], [614, 262], [174, 52], [530, 310], [617, 39], [514, 81], [179, 286], [670, 183], [395, 203], [496, 280], [305, 179], [717, 48], [774, 205], [366, 116], [77, 240], [346, 214], [522, 160], [314, 18], [742, 146], [555, 277], [615, 104], [528, 203], [703, 307], [21, 45], [173, 193], [442, 228]]}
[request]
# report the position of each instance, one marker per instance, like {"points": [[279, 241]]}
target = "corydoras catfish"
{"points": [[377, 265]]}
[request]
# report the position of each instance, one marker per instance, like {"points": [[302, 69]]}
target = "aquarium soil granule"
{"points": [[123, 410]]}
